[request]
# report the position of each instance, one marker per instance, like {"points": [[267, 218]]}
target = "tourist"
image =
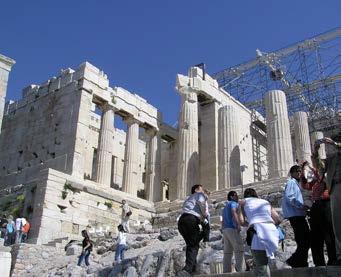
{"points": [[25, 229], [121, 246], [126, 213], [332, 168], [261, 218], [10, 231], [233, 242], [86, 249], [294, 209], [193, 214], [320, 219], [18, 230]]}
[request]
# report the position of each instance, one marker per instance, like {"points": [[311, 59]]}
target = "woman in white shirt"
{"points": [[263, 218], [121, 246]]}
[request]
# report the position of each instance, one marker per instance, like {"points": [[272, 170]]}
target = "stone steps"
{"points": [[58, 243], [167, 212], [328, 271]]}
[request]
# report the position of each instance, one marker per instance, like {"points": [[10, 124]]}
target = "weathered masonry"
{"points": [[73, 147]]}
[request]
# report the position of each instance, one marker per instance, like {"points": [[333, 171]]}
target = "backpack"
{"points": [[281, 235], [249, 235], [10, 228]]}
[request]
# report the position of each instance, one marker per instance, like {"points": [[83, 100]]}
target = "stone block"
{"points": [[75, 228], [67, 227], [73, 250]]}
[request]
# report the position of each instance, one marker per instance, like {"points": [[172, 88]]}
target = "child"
{"points": [[87, 248], [121, 244]]}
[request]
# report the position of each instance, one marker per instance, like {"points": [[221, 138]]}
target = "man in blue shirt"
{"points": [[294, 209], [233, 241]]}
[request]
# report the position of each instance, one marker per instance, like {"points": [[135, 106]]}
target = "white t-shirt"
{"points": [[122, 238], [18, 224], [257, 210]]}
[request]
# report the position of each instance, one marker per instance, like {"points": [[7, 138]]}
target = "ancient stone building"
{"points": [[66, 166]]}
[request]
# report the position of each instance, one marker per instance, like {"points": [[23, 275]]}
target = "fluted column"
{"points": [[153, 167], [322, 150], [278, 134], [131, 158], [188, 151], [302, 139], [228, 141], [105, 146]]}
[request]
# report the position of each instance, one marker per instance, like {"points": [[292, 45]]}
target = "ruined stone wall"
{"points": [[54, 126], [26, 256], [62, 206], [39, 130]]}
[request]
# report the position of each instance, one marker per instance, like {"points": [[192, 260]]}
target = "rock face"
{"points": [[147, 255], [167, 234]]}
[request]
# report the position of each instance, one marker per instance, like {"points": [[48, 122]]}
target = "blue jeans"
{"points": [[85, 255], [18, 236], [119, 254]]}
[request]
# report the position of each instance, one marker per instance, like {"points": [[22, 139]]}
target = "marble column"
{"points": [[105, 146], [228, 149], [5, 68], [302, 139], [131, 157], [188, 151], [322, 150], [153, 167], [279, 150]]}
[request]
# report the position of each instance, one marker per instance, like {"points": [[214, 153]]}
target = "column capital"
{"points": [[106, 107], [187, 90], [151, 131], [130, 120], [6, 62]]}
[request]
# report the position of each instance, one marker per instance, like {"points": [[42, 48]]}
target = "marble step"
{"points": [[321, 271]]}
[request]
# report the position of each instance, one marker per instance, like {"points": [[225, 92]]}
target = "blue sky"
{"points": [[142, 45]]}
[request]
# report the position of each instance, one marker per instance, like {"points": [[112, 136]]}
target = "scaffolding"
{"points": [[309, 72]]}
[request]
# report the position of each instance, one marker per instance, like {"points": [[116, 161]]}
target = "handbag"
{"points": [[128, 213], [249, 235]]}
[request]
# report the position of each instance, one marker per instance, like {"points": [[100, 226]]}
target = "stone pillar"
{"points": [[228, 150], [188, 158], [153, 167], [5, 261], [302, 139], [105, 146], [208, 145], [5, 67], [322, 150], [278, 134], [131, 157]]}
